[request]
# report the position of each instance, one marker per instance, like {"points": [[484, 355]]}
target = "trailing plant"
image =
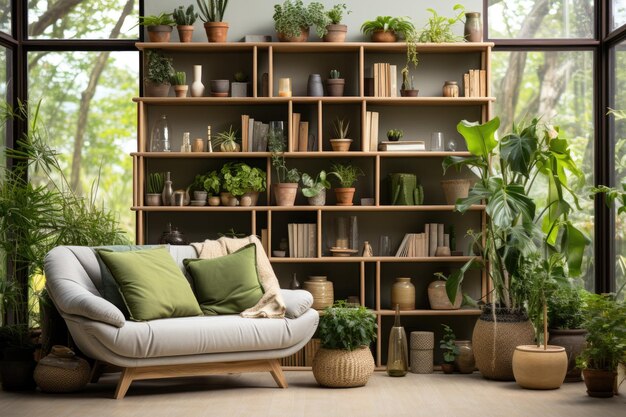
{"points": [[156, 182], [565, 307], [164, 19], [239, 178], [240, 77], [401, 26], [159, 69], [227, 140], [314, 186], [179, 78], [293, 16], [277, 147], [335, 75], [447, 345], [395, 134], [439, 28], [346, 327], [341, 127], [347, 174], [335, 15], [185, 17], [212, 10]]}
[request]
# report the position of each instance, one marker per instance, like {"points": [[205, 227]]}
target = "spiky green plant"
{"points": [[347, 174], [155, 183], [335, 74], [179, 78], [212, 10], [341, 127], [185, 17]]}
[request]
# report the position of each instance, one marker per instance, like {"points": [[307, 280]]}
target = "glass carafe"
{"points": [[160, 136], [397, 355]]}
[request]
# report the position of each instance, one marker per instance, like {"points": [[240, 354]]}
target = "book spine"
{"points": [[432, 248], [483, 83], [439, 234], [303, 136], [466, 85]]}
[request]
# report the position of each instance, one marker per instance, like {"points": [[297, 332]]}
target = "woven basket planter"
{"points": [[455, 189], [343, 368]]}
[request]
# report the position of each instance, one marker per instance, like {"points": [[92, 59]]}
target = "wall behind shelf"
{"points": [[255, 17]]}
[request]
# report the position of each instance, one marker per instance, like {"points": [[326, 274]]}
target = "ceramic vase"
{"points": [[403, 294], [197, 88], [314, 86], [322, 291]]}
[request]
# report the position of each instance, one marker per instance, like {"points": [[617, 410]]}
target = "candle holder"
{"points": [[284, 87]]}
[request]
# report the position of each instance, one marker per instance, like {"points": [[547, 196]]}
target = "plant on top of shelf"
{"points": [[335, 30], [159, 27], [344, 358], [394, 135], [449, 348], [185, 18], [347, 174], [340, 141], [439, 28], [227, 140], [335, 84], [286, 186], [179, 81], [388, 28], [212, 14], [159, 74], [315, 188], [292, 20]]}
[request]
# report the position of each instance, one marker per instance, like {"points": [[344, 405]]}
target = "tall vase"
{"points": [[197, 88], [397, 354], [168, 191], [315, 88]]}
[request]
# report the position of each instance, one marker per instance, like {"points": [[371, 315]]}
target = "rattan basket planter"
{"points": [[339, 368], [455, 189]]}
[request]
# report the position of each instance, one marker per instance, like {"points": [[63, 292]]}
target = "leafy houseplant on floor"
{"points": [[159, 27], [340, 142], [347, 175], [387, 28], [449, 348], [154, 188], [335, 31], [293, 20], [344, 359], [159, 74], [212, 14], [179, 81], [439, 28], [315, 188], [335, 84], [286, 186], [184, 22]]}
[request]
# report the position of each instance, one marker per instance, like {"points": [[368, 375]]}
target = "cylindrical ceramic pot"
{"points": [[344, 196], [599, 383], [335, 86], [185, 33], [160, 33], [473, 27], [465, 361], [336, 33], [318, 200], [322, 291], [438, 298], [197, 88], [216, 31], [214, 201], [153, 199], [303, 37], [403, 294], [285, 193], [537, 368], [314, 86]]}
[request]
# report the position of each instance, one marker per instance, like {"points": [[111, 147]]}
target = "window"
{"points": [[5, 16], [5, 70], [618, 13]]}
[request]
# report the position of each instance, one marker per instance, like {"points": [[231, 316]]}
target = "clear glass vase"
{"points": [[397, 355], [160, 136]]}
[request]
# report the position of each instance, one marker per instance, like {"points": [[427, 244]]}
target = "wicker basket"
{"points": [[422, 361], [455, 189], [343, 368], [422, 340], [61, 371]]}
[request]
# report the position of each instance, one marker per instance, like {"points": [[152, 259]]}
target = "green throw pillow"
{"points": [[151, 283], [228, 284]]}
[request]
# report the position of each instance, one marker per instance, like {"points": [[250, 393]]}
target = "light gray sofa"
{"points": [[170, 347]]}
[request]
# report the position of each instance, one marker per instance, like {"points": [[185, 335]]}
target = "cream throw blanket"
{"points": [[271, 304]]}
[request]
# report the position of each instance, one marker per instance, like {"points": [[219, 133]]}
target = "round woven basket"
{"points": [[343, 368], [455, 189], [422, 361], [61, 371], [422, 340]]}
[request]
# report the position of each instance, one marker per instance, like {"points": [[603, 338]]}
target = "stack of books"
{"points": [[371, 131], [253, 134], [385, 80], [475, 83], [402, 145], [300, 140], [419, 245], [302, 240]]}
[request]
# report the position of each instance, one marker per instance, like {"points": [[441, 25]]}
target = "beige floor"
{"points": [[254, 395]]}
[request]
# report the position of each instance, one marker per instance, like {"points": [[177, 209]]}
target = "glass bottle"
{"points": [[168, 191], [295, 284], [186, 146], [397, 355], [160, 136]]}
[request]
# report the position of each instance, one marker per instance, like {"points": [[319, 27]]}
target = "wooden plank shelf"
{"points": [[311, 154], [460, 312], [191, 209], [370, 259]]}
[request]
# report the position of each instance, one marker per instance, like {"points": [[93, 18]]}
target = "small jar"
{"points": [[403, 294], [473, 27], [450, 89], [322, 291], [198, 145], [464, 361]]}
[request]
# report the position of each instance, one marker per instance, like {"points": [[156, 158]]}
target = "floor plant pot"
{"points": [[303, 37], [335, 86], [185, 33], [156, 90], [216, 31], [447, 368], [345, 196], [318, 200], [285, 193], [16, 369], [341, 145], [181, 90], [339, 368], [495, 342], [335, 33], [599, 383], [159, 33], [537, 368], [153, 199], [409, 93], [573, 340], [384, 36]]}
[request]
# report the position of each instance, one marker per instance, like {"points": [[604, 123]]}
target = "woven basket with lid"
{"points": [[343, 368]]}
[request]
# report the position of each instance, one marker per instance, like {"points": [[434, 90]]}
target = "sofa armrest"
{"points": [[297, 302]]}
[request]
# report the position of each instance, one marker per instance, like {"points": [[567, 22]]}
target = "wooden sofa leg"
{"points": [[124, 383], [96, 371], [277, 373]]}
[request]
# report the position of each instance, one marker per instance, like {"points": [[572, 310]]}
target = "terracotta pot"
{"points": [[341, 145], [599, 383], [153, 199], [214, 201], [455, 189], [322, 291], [384, 36], [447, 368], [225, 197], [409, 93], [254, 197], [495, 343], [181, 90], [573, 340], [335, 87], [403, 294], [303, 37], [185, 33], [160, 33], [343, 368], [336, 33], [438, 298], [345, 196], [156, 90], [216, 31], [536, 368], [285, 193]]}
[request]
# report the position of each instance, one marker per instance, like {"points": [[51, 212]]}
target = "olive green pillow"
{"points": [[151, 283], [228, 284]]}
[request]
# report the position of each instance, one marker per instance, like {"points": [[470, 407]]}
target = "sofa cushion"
{"points": [[151, 283], [227, 284]]}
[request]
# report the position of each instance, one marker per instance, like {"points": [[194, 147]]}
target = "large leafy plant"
{"points": [[565, 307], [346, 327], [507, 170], [160, 69], [439, 28], [293, 16], [239, 178]]}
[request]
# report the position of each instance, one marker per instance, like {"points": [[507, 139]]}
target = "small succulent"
{"points": [[185, 17], [395, 134], [335, 74]]}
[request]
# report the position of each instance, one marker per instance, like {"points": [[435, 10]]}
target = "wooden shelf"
{"points": [[191, 209], [369, 259], [312, 154], [460, 312], [386, 101]]}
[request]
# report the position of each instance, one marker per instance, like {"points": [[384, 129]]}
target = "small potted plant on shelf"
{"points": [[179, 81], [394, 135], [184, 22], [243, 181], [227, 141], [212, 14], [239, 88], [335, 30], [159, 27], [347, 175], [154, 188], [158, 75], [344, 358], [286, 186], [315, 188], [212, 185], [335, 84], [408, 87], [449, 348], [387, 28], [292, 20], [341, 142], [439, 28]]}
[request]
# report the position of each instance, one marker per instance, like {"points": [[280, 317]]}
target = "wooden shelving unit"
{"points": [[369, 278]]}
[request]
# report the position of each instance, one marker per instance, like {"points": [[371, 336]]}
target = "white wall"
{"points": [[254, 17]]}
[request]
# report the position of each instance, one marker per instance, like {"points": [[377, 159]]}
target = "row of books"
{"points": [[300, 139], [475, 83], [385, 80], [253, 134], [302, 240], [424, 244]]}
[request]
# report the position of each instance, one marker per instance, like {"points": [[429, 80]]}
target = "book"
{"points": [[251, 144], [432, 244], [483, 83], [312, 240], [393, 83], [407, 145], [303, 136], [472, 89], [466, 84], [426, 240], [439, 234], [244, 133], [290, 237], [476, 82], [366, 134], [303, 240], [295, 126], [376, 80], [256, 135], [261, 145], [374, 131]]}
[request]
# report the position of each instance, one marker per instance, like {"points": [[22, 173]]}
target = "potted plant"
{"points": [[286, 185], [341, 142], [154, 188], [449, 348], [179, 81], [315, 188], [239, 88], [509, 167], [227, 141], [335, 84], [387, 28], [212, 185], [335, 30], [438, 297], [438, 29], [158, 75], [243, 181], [159, 27], [407, 89], [293, 20], [184, 22], [394, 135], [344, 358], [347, 175], [605, 320], [212, 14]]}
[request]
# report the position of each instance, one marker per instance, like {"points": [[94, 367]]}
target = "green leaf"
{"points": [[517, 151], [476, 195], [507, 203], [480, 138], [453, 283], [460, 161], [574, 242]]}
